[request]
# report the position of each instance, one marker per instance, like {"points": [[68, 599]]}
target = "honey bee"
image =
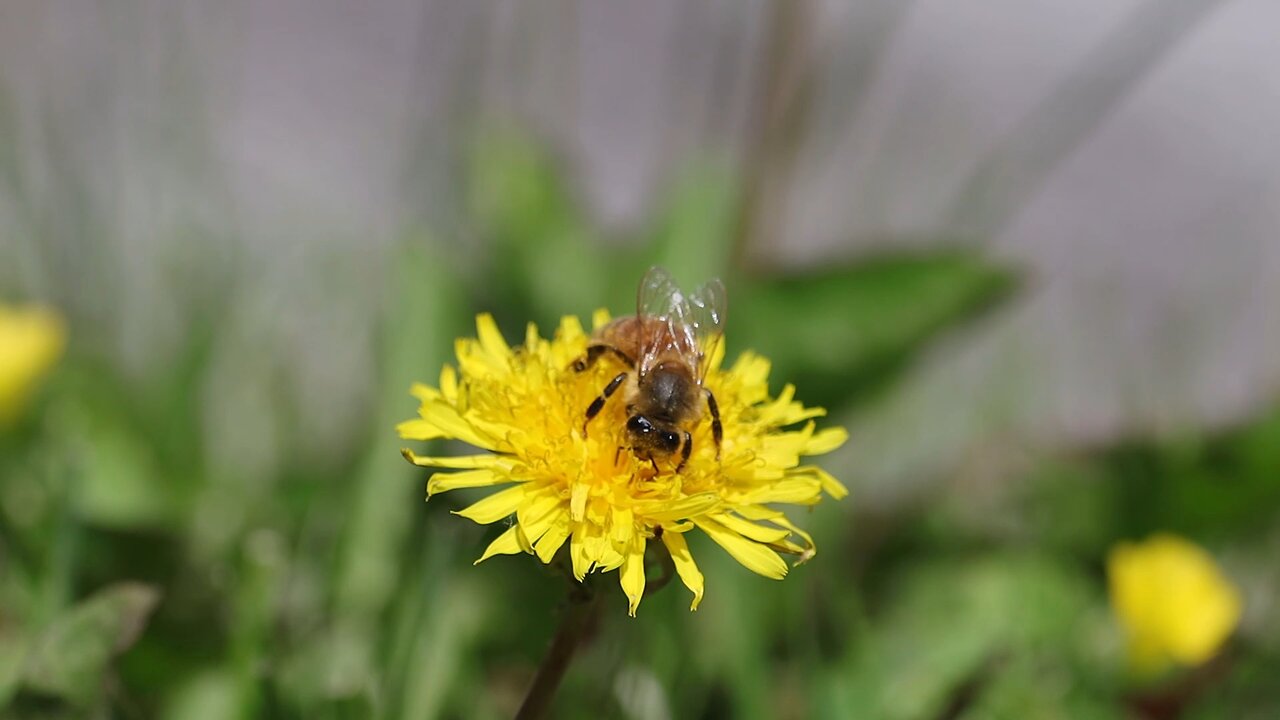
{"points": [[664, 347]]}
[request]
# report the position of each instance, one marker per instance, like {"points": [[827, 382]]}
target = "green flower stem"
{"points": [[577, 624]]}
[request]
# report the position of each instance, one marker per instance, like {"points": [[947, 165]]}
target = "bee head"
{"points": [[648, 435]]}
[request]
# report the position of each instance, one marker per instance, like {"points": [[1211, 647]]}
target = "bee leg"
{"points": [[685, 451], [717, 430], [598, 404], [594, 352]]}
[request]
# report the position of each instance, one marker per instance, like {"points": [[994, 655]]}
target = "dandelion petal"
{"points": [[418, 429], [551, 541], [578, 555], [461, 462], [632, 579], [759, 533], [825, 440], [496, 506], [490, 337], [508, 543], [446, 481], [685, 566], [755, 557], [794, 490]]}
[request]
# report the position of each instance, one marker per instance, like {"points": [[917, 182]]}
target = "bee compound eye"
{"points": [[638, 424], [670, 440]]}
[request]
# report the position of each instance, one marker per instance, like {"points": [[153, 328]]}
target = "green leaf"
{"points": [[71, 658], [1220, 486], [954, 624], [1034, 690], [441, 650], [843, 332], [728, 638], [13, 651], [210, 695], [386, 493], [121, 483]]}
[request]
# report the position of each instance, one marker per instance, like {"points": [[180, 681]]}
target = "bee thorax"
{"points": [[668, 392]]}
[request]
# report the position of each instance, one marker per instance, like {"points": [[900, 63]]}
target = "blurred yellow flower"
{"points": [[1174, 602], [31, 341], [527, 406]]}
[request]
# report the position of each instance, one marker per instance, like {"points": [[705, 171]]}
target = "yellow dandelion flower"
{"points": [[31, 340], [526, 406], [1175, 604]]}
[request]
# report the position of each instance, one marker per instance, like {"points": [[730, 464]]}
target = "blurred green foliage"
{"points": [[143, 579]]}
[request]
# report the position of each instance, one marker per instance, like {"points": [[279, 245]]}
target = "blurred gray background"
{"points": [[1124, 153]]}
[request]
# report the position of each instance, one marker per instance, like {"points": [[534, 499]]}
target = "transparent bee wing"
{"points": [[707, 307], [694, 321], [659, 295], [660, 298]]}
